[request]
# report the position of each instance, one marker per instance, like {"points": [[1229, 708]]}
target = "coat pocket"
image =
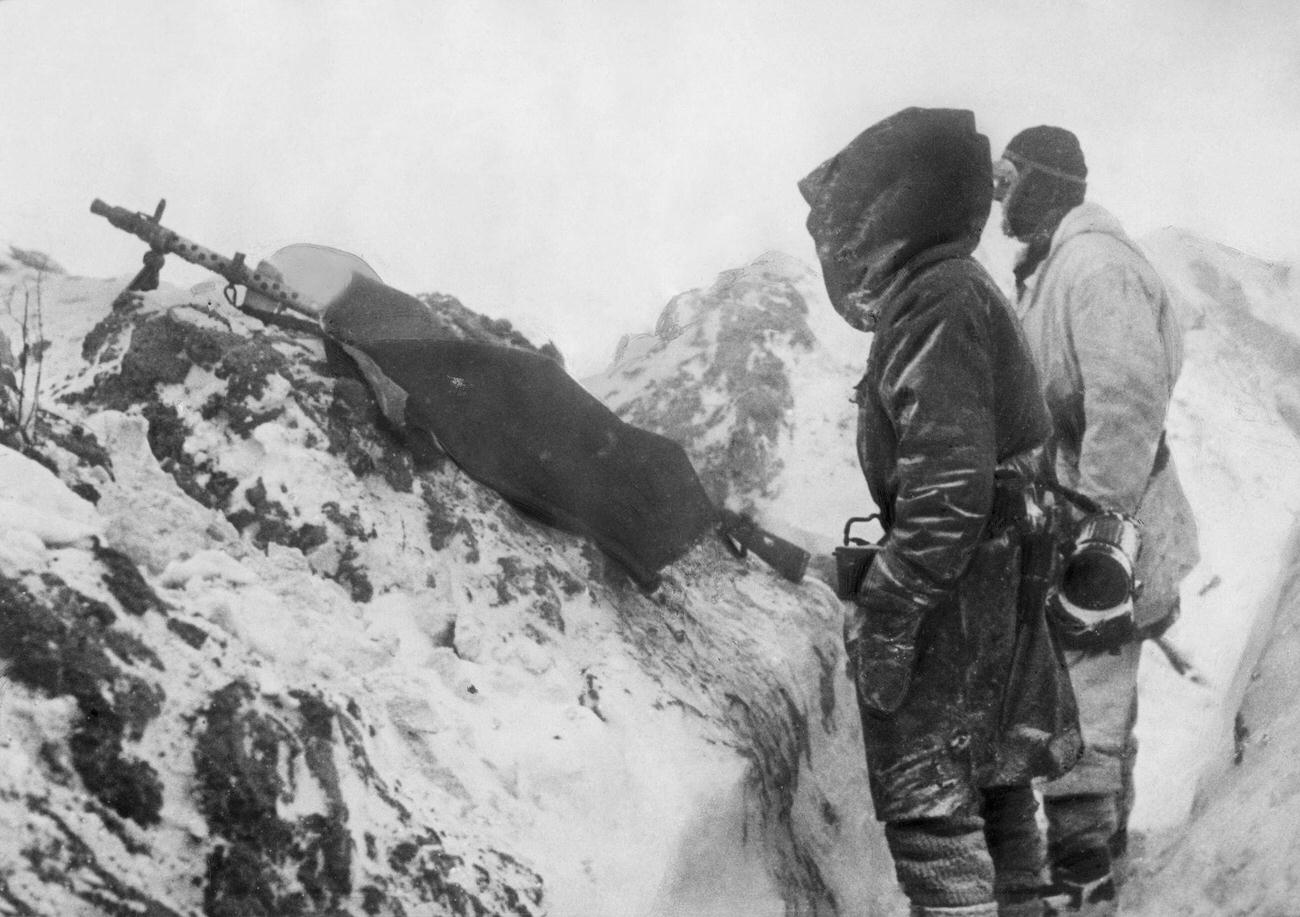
{"points": [[882, 653]]}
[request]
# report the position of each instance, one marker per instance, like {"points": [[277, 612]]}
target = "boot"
{"points": [[1066, 898], [969, 910]]}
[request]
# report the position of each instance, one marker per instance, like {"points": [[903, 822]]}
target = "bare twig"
{"points": [[40, 345], [24, 360], [32, 327]]}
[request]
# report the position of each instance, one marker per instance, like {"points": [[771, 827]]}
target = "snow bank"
{"points": [[44, 508], [1239, 456]]}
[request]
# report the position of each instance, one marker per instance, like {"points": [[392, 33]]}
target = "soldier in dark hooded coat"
{"points": [[964, 698]]}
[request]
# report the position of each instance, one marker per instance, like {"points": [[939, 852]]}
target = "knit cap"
{"points": [[1052, 150]]}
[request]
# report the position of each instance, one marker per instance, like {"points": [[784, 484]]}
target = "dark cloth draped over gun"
{"points": [[511, 418], [515, 421], [958, 681]]}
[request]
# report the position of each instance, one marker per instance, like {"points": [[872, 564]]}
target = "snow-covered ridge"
{"points": [[259, 661], [267, 660]]}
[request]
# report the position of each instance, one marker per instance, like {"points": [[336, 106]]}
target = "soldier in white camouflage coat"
{"points": [[1108, 348]]}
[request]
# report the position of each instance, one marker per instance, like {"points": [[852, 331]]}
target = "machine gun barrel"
{"points": [[161, 239]]}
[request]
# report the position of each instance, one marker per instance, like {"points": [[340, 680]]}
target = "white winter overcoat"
{"points": [[1109, 349]]}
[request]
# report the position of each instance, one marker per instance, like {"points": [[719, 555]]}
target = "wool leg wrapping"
{"points": [[1015, 842], [942, 862], [1079, 829]]}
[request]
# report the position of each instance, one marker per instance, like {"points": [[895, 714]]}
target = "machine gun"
{"points": [[163, 241]]}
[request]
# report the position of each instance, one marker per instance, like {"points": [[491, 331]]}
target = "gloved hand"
{"points": [[880, 638]]}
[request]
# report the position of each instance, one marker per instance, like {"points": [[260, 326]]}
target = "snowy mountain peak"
{"points": [[735, 373], [763, 292]]}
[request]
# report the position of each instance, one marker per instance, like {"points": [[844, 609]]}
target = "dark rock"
{"points": [[125, 583], [192, 634], [50, 649], [269, 521]]}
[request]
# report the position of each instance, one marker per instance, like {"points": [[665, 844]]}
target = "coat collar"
{"points": [[1087, 217]]}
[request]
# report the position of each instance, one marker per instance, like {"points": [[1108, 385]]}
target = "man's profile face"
{"points": [[1006, 178]]}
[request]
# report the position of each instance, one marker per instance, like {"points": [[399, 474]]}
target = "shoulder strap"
{"points": [[1084, 502], [1089, 505]]}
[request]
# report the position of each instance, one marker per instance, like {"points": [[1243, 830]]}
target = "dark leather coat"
{"points": [[953, 698], [949, 394]]}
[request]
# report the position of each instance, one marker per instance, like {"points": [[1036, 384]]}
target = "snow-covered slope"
{"points": [[1216, 771], [258, 662], [1238, 453], [1239, 855]]}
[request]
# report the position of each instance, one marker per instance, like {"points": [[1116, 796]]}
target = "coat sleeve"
{"points": [[937, 389], [1113, 324]]}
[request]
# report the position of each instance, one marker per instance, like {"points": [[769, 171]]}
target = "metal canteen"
{"points": [[1097, 583]]}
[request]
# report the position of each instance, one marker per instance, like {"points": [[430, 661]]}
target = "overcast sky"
{"points": [[572, 165]]}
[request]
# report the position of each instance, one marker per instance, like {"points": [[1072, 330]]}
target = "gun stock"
{"points": [[163, 240], [742, 535]]}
